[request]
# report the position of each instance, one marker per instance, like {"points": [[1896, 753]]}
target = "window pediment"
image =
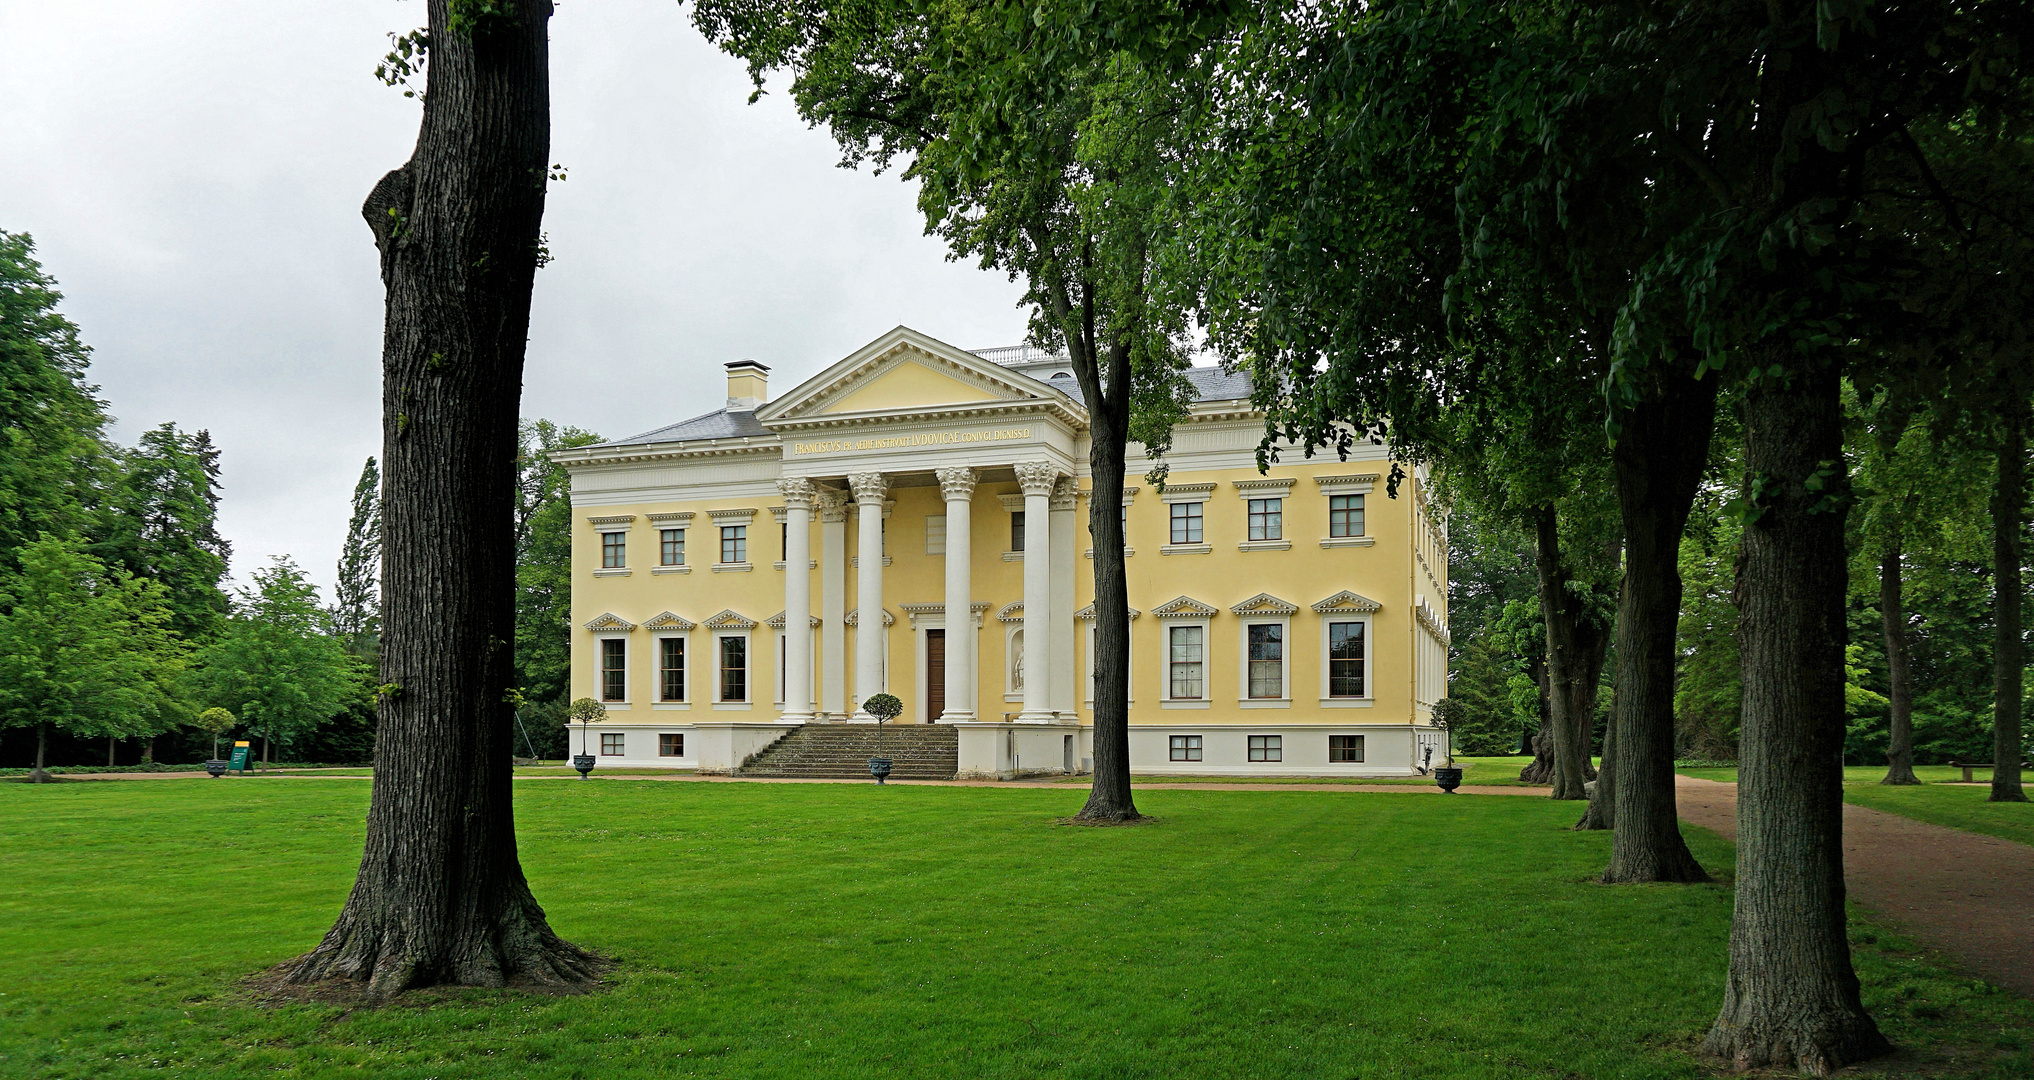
{"points": [[730, 620], [1264, 604], [1347, 602], [668, 621], [608, 620], [1185, 607]]}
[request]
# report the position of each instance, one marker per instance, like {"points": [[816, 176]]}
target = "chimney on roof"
{"points": [[748, 385]]}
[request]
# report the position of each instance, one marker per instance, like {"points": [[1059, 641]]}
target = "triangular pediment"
{"points": [[667, 621], [1264, 604], [608, 620], [730, 620], [905, 371], [1184, 607], [1347, 601]]}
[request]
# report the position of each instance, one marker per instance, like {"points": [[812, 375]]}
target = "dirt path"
{"points": [[1970, 895]]}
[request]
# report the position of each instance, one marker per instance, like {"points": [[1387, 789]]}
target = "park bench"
{"points": [[1967, 766]]}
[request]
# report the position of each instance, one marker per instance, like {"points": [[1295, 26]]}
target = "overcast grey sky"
{"points": [[193, 172]]}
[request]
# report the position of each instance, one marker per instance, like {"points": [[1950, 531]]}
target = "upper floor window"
{"points": [[614, 669], [1345, 515], [1345, 659], [1267, 519], [734, 543], [1016, 530], [614, 550], [673, 547], [1186, 675], [1186, 522]]}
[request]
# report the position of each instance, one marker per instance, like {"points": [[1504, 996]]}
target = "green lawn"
{"points": [[1488, 771], [855, 931], [1956, 806], [1852, 774]]}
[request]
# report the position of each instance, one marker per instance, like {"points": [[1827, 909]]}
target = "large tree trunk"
{"points": [[1576, 641], [1540, 770], [1662, 447], [1791, 996], [1899, 672], [1108, 397], [441, 896], [2008, 652], [1601, 813]]}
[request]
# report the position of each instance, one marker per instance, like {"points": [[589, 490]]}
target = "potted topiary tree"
{"points": [[883, 707], [216, 721], [587, 711]]}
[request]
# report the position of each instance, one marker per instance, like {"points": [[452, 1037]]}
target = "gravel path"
{"points": [[1968, 894]]}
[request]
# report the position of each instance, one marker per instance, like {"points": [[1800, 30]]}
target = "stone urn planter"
{"points": [[217, 767], [884, 707], [879, 767], [1448, 778], [584, 763]]}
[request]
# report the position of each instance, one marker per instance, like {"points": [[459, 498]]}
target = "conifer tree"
{"points": [[159, 520], [356, 617]]}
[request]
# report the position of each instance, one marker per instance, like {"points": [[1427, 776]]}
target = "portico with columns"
{"points": [[926, 539]]}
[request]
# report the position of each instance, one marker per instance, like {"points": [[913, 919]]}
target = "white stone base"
{"points": [[991, 750]]}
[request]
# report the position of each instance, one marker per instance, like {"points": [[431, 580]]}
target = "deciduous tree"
{"points": [[274, 665]]}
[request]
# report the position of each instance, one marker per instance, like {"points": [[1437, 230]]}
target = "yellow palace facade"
{"points": [[910, 520]]}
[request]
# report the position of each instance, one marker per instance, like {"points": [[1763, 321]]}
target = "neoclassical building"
{"points": [[911, 520]]}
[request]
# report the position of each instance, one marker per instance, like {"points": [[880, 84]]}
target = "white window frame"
{"points": [[935, 534], [749, 669], [1369, 698], [657, 655], [1165, 698], [1284, 699], [600, 641]]}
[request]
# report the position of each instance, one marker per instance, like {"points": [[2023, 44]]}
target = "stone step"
{"points": [[836, 751]]}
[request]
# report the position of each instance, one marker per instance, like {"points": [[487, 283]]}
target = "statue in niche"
{"points": [[1017, 662]]}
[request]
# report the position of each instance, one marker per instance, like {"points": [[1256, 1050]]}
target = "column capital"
{"points": [[957, 483], [797, 492], [1064, 493], [832, 504], [1037, 477], [869, 487]]}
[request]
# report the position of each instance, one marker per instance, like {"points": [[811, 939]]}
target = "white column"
{"points": [[869, 489], [958, 486], [1065, 495], [797, 493], [1037, 479], [833, 601]]}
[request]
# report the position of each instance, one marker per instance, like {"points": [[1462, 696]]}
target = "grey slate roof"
{"points": [[1213, 384]]}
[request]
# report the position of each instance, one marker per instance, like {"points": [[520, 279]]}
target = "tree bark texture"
{"points": [[1899, 671], [1791, 996], [1540, 770], [2009, 653], [441, 896], [1662, 448], [1576, 641], [1601, 813], [1108, 396]]}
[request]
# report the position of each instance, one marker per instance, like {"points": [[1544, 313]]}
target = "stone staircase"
{"points": [[842, 751]]}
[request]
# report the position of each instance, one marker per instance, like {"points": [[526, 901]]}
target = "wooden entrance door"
{"points": [[935, 674]]}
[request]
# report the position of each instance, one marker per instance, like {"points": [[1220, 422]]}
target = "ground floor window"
{"points": [[614, 665], [671, 668], [1345, 748], [1186, 748], [673, 745], [734, 669], [1266, 748], [611, 743]]}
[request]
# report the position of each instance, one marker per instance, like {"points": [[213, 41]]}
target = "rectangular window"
{"points": [[1345, 659], [671, 668], [614, 669], [734, 543], [734, 669], [614, 550], [1185, 676], [1186, 523], [1345, 515], [1266, 748], [1186, 748], [611, 743], [671, 745], [1267, 660], [1345, 748], [784, 542], [1017, 530], [1267, 519], [935, 534], [673, 547]]}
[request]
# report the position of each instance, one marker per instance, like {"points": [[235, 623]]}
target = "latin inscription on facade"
{"points": [[902, 442]]}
